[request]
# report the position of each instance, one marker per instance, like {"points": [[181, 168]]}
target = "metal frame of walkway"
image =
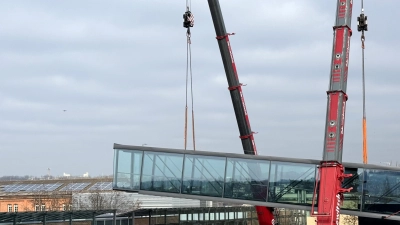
{"points": [[248, 179], [194, 215], [45, 217]]}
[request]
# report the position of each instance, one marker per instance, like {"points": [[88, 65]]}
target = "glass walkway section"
{"points": [[248, 179]]}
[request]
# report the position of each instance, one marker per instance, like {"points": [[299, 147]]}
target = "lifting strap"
{"points": [[188, 22], [361, 27]]}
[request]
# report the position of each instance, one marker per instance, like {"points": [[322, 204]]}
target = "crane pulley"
{"points": [[188, 19]]}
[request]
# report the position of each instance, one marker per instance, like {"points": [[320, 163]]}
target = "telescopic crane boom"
{"points": [[330, 171], [265, 215], [235, 87]]}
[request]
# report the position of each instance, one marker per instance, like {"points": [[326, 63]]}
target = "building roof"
{"points": [[28, 187]]}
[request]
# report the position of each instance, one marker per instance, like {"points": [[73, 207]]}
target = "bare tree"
{"points": [[39, 200], [97, 201], [50, 201], [100, 200], [67, 202], [137, 204]]}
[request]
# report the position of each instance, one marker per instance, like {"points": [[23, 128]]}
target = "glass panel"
{"points": [[291, 183], [352, 199], [246, 179], [123, 169], [128, 166], [125, 222], [137, 158], [212, 216], [382, 191], [203, 175], [183, 217], [162, 172]]}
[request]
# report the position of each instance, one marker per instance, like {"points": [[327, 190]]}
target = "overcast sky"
{"points": [[118, 69]]}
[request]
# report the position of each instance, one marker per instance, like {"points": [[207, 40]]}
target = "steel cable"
{"points": [[189, 21]]}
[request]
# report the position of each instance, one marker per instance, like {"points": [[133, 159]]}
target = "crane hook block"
{"points": [[188, 19], [362, 24]]}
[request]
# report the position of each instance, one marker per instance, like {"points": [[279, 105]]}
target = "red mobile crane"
{"points": [[331, 171], [265, 214]]}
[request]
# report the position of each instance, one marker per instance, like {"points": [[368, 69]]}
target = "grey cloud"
{"points": [[119, 69]]}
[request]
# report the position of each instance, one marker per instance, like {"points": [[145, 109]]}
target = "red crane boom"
{"points": [[330, 171], [265, 214]]}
